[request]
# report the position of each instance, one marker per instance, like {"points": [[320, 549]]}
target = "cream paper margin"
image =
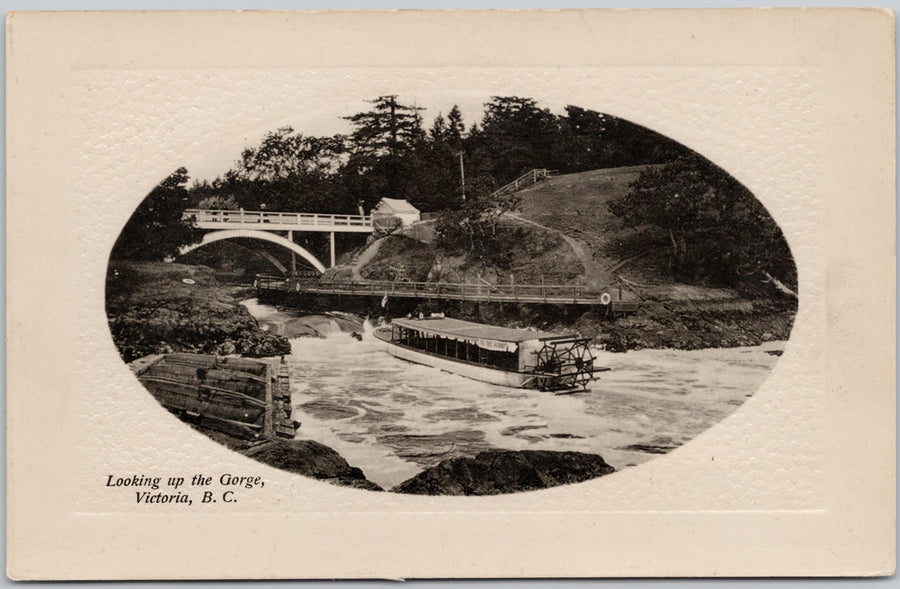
{"points": [[797, 104]]}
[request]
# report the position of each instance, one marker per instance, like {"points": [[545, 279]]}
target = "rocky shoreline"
{"points": [[659, 325], [160, 308]]}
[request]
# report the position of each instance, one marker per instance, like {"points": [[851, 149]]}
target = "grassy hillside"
{"points": [[578, 201], [577, 205]]}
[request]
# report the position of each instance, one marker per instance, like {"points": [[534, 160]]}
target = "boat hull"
{"points": [[473, 371]]}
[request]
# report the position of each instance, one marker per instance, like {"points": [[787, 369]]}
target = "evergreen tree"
{"points": [[389, 129], [436, 184], [438, 129], [382, 147], [456, 130], [582, 141], [515, 136]]}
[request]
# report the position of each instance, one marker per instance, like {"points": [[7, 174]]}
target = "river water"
{"points": [[393, 418]]}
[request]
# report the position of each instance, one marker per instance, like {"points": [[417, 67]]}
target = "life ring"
{"points": [[605, 299]]}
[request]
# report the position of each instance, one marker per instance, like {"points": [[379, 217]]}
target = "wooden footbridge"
{"points": [[554, 294]]}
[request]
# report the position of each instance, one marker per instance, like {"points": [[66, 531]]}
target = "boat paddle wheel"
{"points": [[565, 366]]}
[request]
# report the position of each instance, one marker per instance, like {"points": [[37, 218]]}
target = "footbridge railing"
{"points": [[516, 293]]}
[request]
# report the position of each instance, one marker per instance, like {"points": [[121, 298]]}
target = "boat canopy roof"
{"points": [[475, 332]]}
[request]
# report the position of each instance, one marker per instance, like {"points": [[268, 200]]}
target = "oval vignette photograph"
{"points": [[451, 297]]}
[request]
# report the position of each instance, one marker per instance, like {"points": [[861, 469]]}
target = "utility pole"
{"points": [[462, 175]]}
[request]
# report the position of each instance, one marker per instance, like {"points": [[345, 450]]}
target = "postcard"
{"points": [[450, 294]]}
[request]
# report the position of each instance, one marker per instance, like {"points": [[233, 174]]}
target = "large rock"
{"points": [[151, 310], [505, 471], [311, 459]]}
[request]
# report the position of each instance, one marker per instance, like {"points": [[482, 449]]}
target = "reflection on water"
{"points": [[392, 418]]}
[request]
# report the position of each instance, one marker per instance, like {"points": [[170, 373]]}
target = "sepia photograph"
{"points": [[453, 300]]}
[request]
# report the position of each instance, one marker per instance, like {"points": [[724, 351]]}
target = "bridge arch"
{"points": [[251, 234]]}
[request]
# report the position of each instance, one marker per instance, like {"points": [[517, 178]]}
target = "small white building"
{"points": [[392, 213]]}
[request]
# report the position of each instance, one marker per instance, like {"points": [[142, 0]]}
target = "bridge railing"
{"points": [[438, 289], [295, 219]]}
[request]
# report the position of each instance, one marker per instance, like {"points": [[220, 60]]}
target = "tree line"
{"points": [[391, 152]]}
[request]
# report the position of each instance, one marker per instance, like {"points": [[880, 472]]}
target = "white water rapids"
{"points": [[393, 418]]}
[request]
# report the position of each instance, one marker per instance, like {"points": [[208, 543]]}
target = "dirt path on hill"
{"points": [[592, 270], [364, 258]]}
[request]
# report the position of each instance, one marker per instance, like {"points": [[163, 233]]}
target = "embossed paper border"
{"points": [[797, 104]]}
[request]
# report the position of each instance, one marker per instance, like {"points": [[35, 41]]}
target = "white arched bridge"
{"points": [[277, 228]]}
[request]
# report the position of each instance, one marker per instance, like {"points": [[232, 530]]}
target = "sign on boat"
{"points": [[519, 358]]}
